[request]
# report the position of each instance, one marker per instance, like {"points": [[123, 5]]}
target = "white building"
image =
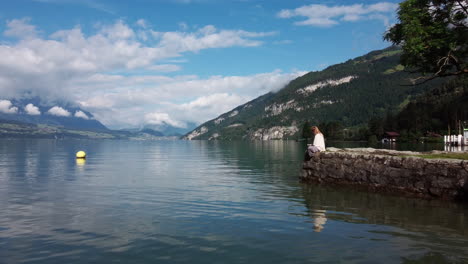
{"points": [[465, 136]]}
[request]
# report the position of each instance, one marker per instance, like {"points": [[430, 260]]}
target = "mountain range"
{"points": [[35, 118], [59, 114], [348, 93]]}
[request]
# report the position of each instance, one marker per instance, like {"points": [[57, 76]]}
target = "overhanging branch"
{"points": [[441, 75]]}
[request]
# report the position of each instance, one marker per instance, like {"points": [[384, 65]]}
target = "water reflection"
{"points": [[199, 202], [455, 148], [80, 163], [413, 225], [320, 219]]}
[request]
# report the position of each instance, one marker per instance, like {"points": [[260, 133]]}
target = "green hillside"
{"points": [[435, 111], [17, 129], [348, 94]]}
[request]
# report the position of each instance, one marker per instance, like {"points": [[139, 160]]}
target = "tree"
{"points": [[433, 35], [376, 126], [306, 132]]}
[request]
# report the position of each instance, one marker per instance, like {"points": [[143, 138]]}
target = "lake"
{"points": [[205, 202]]}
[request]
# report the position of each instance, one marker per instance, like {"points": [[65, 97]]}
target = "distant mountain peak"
{"points": [[64, 114]]}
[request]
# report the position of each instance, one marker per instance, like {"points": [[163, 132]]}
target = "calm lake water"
{"points": [[204, 202]]}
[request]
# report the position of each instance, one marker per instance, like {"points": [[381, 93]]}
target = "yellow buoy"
{"points": [[81, 155]]}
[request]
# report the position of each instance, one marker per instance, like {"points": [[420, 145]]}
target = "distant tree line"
{"points": [[437, 112]]}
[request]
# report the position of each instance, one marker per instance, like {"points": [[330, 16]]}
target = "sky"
{"points": [[137, 62]]}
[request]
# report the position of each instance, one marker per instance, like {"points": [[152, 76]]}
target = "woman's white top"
{"points": [[319, 142]]}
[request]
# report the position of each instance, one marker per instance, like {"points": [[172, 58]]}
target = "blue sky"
{"points": [[140, 62]]}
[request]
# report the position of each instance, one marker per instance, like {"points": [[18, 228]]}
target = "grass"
{"points": [[387, 54], [461, 156], [397, 68]]}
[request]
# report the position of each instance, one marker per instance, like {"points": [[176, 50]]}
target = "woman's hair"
{"points": [[314, 128]]}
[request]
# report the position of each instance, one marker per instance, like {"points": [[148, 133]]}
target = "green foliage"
{"points": [[372, 140], [386, 54], [399, 67], [306, 131], [434, 111], [433, 35], [376, 126], [332, 130]]}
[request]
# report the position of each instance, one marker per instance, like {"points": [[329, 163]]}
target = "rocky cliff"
{"points": [[348, 93], [392, 171]]}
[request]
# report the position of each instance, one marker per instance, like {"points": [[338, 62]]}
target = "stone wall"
{"points": [[391, 171]]}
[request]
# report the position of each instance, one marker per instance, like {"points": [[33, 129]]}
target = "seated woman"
{"points": [[319, 143]]}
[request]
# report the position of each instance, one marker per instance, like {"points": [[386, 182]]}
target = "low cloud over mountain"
{"points": [[118, 72]]}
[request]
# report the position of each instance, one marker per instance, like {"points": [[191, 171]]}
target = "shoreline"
{"points": [[389, 171]]}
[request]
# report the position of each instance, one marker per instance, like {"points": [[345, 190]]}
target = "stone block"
{"points": [[435, 191], [462, 174], [309, 164], [392, 172], [443, 182], [465, 165], [366, 157], [413, 163], [421, 185], [330, 162], [462, 183], [380, 159], [395, 162], [434, 168], [361, 164], [348, 161], [454, 169]]}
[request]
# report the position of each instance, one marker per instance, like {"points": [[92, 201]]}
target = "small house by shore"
{"points": [[390, 136]]}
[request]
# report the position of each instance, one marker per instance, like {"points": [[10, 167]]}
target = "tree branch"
{"points": [[414, 81], [462, 6]]}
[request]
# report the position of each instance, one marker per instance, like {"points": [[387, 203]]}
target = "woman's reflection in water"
{"points": [[319, 220]]}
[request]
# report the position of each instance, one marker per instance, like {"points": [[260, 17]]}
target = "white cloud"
{"points": [[7, 107], [208, 107], [81, 114], [162, 118], [58, 111], [20, 28], [73, 66], [32, 109], [47, 66], [209, 37], [118, 31], [183, 26], [326, 16], [165, 68], [185, 98], [142, 23]]}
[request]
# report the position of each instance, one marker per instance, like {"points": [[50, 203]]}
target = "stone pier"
{"points": [[390, 171]]}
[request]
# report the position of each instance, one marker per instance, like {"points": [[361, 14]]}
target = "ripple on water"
{"points": [[204, 202]]}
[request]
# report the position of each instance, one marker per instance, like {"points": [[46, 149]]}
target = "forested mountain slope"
{"points": [[439, 110], [349, 93]]}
